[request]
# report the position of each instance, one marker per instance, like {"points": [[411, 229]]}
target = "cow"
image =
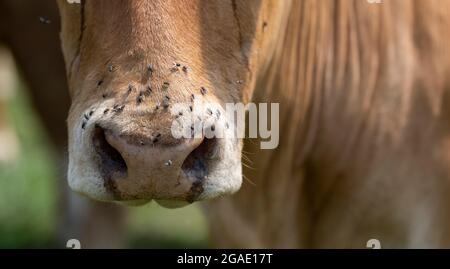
{"points": [[363, 92]]}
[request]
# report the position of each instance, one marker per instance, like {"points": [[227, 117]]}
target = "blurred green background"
{"points": [[28, 195]]}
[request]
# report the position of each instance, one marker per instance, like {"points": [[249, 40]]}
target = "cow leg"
{"points": [[94, 224], [36, 49], [8, 138]]}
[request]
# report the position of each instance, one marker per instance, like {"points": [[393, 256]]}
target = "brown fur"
{"points": [[363, 94]]}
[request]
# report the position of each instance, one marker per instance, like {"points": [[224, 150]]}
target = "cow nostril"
{"points": [[111, 161], [201, 159]]}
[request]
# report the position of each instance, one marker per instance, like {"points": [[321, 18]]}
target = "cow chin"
{"points": [[106, 163]]}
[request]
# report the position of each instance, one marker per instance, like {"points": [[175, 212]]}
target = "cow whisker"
{"points": [[249, 181], [247, 158], [248, 166]]}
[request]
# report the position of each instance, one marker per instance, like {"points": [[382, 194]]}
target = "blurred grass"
{"points": [[152, 226], [27, 187], [28, 201]]}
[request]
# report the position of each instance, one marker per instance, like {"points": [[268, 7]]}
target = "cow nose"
{"points": [[144, 168]]}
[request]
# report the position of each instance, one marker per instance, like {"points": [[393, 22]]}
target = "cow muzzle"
{"points": [[126, 158], [143, 169]]}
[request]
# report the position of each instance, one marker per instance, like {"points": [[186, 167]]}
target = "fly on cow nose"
{"points": [[141, 171]]}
